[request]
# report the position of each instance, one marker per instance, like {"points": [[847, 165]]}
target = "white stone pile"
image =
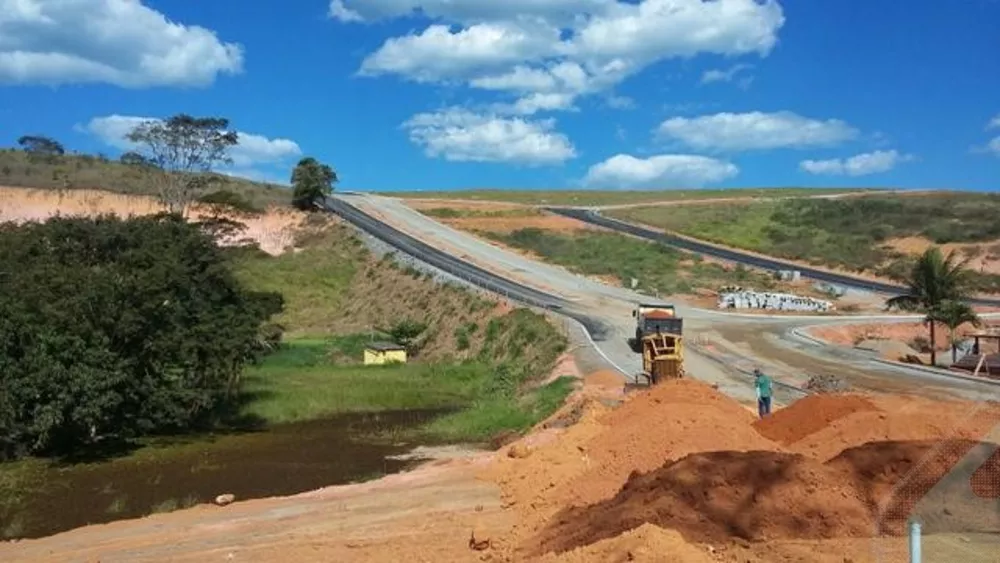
{"points": [[750, 299]]}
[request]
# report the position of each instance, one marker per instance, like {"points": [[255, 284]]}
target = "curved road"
{"points": [[722, 347]]}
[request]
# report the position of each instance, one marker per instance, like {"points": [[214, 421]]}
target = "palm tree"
{"points": [[954, 314], [933, 281]]}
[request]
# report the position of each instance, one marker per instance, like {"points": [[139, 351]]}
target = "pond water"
{"points": [[282, 460]]}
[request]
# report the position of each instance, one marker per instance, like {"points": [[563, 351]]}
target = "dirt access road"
{"points": [[726, 345]]}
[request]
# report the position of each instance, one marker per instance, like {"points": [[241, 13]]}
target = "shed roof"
{"points": [[384, 346]]}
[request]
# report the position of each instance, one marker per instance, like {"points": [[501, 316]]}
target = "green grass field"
{"points": [[659, 269], [852, 234], [316, 378], [600, 197], [329, 288]]}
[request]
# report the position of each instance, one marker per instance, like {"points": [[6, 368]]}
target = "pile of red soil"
{"points": [[901, 419], [647, 543], [712, 497], [759, 495], [668, 422], [811, 414]]}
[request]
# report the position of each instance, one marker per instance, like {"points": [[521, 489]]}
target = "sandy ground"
{"points": [[985, 257], [274, 230], [678, 473]]}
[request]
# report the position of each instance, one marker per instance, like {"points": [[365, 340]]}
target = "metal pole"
{"points": [[914, 541]]}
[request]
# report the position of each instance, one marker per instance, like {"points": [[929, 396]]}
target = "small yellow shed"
{"points": [[379, 353]]}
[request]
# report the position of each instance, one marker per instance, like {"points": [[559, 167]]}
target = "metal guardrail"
{"points": [[594, 218]]}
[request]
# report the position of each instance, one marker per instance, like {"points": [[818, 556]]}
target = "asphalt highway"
{"points": [[595, 218], [462, 269]]}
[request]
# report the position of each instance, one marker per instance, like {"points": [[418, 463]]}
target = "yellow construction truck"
{"points": [[659, 337]]}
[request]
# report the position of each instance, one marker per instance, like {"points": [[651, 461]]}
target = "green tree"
{"points": [[405, 332], [182, 150], [311, 182], [132, 158], [933, 281], [954, 314], [40, 147], [118, 328]]}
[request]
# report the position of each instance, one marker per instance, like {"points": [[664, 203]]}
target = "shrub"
{"points": [[118, 328]]}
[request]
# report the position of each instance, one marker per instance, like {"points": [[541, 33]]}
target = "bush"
{"points": [[229, 199], [118, 328]]}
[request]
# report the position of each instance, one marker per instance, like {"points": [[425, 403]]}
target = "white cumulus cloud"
{"points": [[755, 131], [460, 135], [994, 123], [857, 165], [438, 53], [252, 149], [120, 42], [662, 171], [520, 47], [654, 29]]}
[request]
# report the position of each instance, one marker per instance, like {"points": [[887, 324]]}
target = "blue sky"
{"points": [[449, 94]]}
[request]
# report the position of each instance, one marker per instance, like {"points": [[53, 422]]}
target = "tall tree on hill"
{"points": [[933, 285], [311, 182], [38, 146], [183, 149]]}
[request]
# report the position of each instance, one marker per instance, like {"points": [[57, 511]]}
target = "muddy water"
{"points": [[284, 460]]}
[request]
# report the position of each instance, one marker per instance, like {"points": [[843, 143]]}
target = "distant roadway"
{"points": [[594, 218]]}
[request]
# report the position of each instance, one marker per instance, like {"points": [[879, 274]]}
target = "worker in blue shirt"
{"points": [[763, 385]]}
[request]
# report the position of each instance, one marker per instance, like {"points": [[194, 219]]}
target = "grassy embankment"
{"points": [[616, 197], [658, 269], [855, 234], [84, 171], [472, 355]]}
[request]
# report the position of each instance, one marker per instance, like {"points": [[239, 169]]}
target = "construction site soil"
{"points": [[678, 472]]}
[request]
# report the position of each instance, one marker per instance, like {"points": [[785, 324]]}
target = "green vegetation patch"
{"points": [[849, 233], [318, 377], [614, 197], [658, 268]]}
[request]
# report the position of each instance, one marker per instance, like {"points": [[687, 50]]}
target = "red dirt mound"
{"points": [[712, 497], [670, 421], [900, 419], [647, 543], [759, 495], [659, 314], [811, 414]]}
